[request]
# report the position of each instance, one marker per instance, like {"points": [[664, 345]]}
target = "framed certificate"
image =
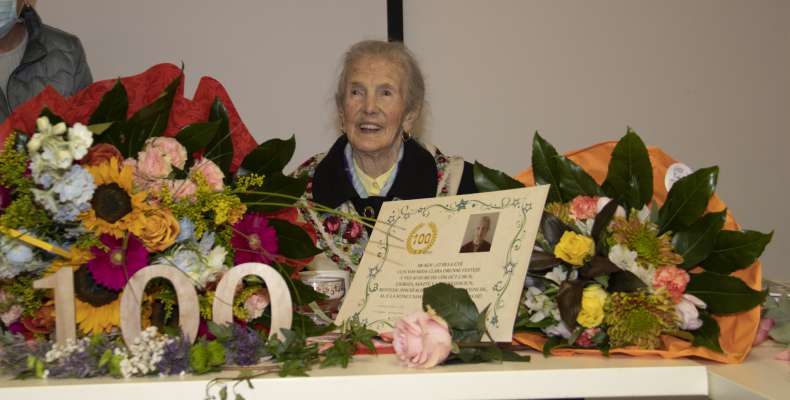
{"points": [[479, 242]]}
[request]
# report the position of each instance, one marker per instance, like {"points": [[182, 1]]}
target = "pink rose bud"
{"points": [[422, 340], [766, 324], [210, 172]]}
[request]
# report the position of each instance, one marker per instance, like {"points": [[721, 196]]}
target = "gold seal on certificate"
{"points": [[479, 242]]}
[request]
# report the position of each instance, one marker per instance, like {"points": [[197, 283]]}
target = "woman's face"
{"points": [[374, 110]]}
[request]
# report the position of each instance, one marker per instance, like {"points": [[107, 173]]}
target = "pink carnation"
{"points": [[673, 279], [422, 340], [170, 149], [256, 303], [151, 164], [211, 173], [181, 188], [584, 207]]}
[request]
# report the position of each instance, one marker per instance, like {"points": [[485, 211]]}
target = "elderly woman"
{"points": [[380, 96]]}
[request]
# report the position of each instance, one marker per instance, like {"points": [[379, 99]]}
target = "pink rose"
{"points": [[210, 172], [766, 324], [673, 279], [170, 149], [332, 224], [422, 340], [151, 164], [353, 231], [584, 207], [256, 303], [181, 188]]}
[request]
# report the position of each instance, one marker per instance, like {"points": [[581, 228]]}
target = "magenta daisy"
{"points": [[114, 267], [254, 240]]}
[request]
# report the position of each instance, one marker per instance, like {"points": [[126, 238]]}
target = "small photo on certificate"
{"points": [[479, 233]]}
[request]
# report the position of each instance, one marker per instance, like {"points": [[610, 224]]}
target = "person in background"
{"points": [[379, 98], [34, 55]]}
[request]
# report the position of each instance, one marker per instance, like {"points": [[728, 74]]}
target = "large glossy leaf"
{"points": [[630, 175], [574, 181], [270, 156], [149, 121], [293, 241], [687, 200], [724, 294], [569, 301], [545, 168], [698, 241], [736, 250], [454, 305], [603, 219], [113, 105], [540, 261], [708, 334], [197, 136], [625, 281], [220, 149], [275, 183], [490, 180]]}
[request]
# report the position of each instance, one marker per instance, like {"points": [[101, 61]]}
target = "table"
{"points": [[380, 377]]}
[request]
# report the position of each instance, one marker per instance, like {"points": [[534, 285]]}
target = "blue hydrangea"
{"points": [[186, 230], [76, 186]]}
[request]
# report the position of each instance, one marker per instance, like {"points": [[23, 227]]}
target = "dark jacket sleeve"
{"points": [[467, 185], [82, 73]]}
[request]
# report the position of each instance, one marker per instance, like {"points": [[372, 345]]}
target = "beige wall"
{"points": [[706, 80]]}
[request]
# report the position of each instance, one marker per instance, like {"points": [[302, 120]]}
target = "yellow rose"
{"points": [[574, 249], [593, 300], [157, 228]]}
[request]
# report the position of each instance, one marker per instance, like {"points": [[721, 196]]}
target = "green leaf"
{"points": [[545, 168], [454, 305], [293, 241], [724, 294], [687, 200], [736, 250], [708, 335], [698, 241], [270, 156], [278, 183], [625, 281], [554, 342], [574, 181], [569, 301], [512, 356], [223, 393], [301, 293], [195, 137], [490, 180], [113, 105], [223, 333], [630, 175], [149, 121], [780, 333], [220, 149], [602, 220], [98, 129]]}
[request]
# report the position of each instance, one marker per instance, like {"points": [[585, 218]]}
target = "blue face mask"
{"points": [[8, 16]]}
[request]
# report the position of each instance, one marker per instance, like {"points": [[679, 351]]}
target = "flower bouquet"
{"points": [[621, 267], [127, 174]]}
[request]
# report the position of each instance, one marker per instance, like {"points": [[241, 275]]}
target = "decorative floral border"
{"points": [[404, 213]]}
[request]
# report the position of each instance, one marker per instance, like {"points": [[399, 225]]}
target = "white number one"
{"points": [[63, 284]]}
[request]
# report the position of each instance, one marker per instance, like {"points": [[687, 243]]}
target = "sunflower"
{"points": [[93, 320], [115, 208]]}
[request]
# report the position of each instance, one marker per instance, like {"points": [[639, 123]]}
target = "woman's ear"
{"points": [[410, 120]]}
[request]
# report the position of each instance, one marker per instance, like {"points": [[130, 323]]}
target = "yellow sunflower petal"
{"points": [[93, 320]]}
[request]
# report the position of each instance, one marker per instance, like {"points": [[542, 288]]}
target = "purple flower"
{"points": [[245, 346], [5, 198], [175, 358]]}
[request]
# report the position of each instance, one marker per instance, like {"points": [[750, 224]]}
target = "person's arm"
{"points": [[82, 72]]}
